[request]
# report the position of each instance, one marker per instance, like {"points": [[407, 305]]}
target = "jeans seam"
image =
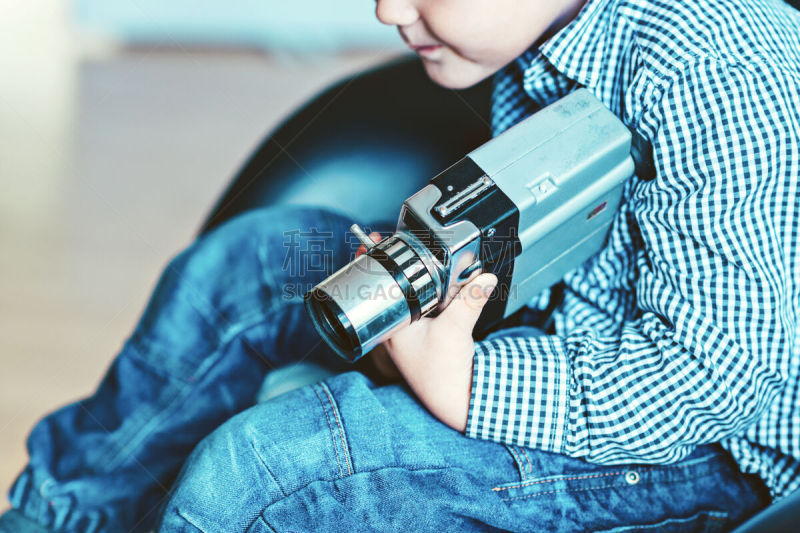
{"points": [[526, 496], [518, 460], [113, 455], [341, 431], [266, 524], [266, 466], [667, 482], [528, 484], [681, 466], [155, 419], [333, 435], [530, 465], [189, 522]]}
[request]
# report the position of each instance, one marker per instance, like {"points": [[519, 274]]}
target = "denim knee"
{"points": [[255, 459], [249, 255], [247, 271], [215, 325]]}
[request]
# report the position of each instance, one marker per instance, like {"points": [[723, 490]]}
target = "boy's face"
{"points": [[462, 42]]}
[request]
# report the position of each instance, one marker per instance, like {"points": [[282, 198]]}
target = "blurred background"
{"points": [[121, 121]]}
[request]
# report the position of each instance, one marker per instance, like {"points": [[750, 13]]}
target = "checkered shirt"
{"points": [[683, 330]]}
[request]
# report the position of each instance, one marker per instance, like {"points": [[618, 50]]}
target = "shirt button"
{"points": [[632, 477]]}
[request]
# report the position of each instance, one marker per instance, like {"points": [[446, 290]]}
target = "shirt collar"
{"points": [[579, 54], [581, 50]]}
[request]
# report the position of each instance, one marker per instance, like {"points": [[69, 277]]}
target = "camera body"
{"points": [[528, 206]]}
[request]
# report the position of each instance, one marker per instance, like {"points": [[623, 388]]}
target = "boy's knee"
{"points": [[224, 480], [251, 264], [269, 246], [255, 459]]}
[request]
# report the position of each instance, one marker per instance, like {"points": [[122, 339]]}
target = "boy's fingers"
{"points": [[375, 236], [466, 307]]}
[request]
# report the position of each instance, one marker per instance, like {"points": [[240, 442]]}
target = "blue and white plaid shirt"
{"points": [[683, 330]]}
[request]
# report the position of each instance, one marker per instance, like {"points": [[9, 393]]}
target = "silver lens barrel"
{"points": [[366, 301]]}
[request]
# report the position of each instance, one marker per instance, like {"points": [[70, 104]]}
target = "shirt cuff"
{"points": [[520, 392]]}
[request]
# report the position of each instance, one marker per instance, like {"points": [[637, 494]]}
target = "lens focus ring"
{"points": [[414, 270]]}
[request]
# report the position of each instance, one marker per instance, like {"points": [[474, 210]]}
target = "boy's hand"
{"points": [[434, 355]]}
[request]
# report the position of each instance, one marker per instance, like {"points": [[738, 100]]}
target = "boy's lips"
{"points": [[426, 50]]}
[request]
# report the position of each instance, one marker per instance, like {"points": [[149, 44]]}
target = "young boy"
{"points": [[667, 396]]}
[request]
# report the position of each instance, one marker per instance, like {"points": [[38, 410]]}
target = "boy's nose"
{"points": [[396, 12]]}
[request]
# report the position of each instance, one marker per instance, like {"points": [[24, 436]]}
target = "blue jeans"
{"points": [[345, 453]]}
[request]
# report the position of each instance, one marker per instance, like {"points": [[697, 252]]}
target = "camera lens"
{"points": [[367, 300], [333, 323]]}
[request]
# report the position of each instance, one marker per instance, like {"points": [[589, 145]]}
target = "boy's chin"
{"points": [[455, 76]]}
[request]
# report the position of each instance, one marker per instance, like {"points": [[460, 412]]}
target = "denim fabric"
{"points": [[225, 312], [343, 453], [14, 521], [347, 455]]}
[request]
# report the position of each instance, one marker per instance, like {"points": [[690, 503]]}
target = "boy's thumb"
{"points": [[466, 307]]}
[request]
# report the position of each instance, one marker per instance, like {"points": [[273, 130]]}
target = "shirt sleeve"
{"points": [[716, 291]]}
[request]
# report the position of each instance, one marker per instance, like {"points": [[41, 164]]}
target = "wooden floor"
{"points": [[96, 196]]}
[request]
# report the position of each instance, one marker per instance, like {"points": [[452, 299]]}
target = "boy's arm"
{"points": [[716, 291]]}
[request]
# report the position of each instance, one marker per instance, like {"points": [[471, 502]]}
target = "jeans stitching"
{"points": [[497, 489], [341, 431], [681, 466], [667, 482], [526, 496], [518, 460], [333, 435], [530, 465]]}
